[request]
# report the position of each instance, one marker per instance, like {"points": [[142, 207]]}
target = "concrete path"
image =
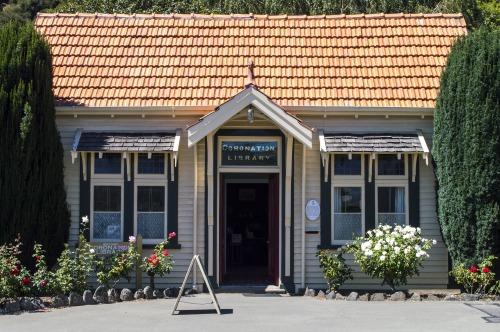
{"points": [[256, 312]]}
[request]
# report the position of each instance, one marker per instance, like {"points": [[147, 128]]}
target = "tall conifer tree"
{"points": [[467, 148], [32, 192]]}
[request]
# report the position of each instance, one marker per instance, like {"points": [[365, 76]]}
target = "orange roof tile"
{"points": [[378, 60]]}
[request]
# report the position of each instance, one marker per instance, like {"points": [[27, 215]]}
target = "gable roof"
{"points": [[200, 60]]}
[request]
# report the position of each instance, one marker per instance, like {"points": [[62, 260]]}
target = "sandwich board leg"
{"points": [[196, 258]]}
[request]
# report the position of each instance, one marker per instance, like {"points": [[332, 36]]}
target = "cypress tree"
{"points": [[467, 148], [32, 191]]}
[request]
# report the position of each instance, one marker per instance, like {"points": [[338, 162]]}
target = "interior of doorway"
{"points": [[246, 229]]}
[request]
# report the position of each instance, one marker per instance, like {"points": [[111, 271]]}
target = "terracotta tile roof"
{"points": [[373, 143], [196, 60], [116, 141]]}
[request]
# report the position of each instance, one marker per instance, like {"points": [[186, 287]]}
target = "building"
{"points": [[258, 139]]}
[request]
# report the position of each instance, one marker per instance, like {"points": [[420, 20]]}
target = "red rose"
{"points": [[473, 269], [173, 234], [155, 262], [38, 258], [26, 281], [149, 260], [486, 270], [43, 283], [165, 253], [153, 256], [18, 266], [14, 272]]}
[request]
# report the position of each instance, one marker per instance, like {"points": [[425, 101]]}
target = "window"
{"points": [[391, 205], [346, 166], [107, 216], [109, 163], [153, 165], [151, 212], [389, 164], [347, 214]]}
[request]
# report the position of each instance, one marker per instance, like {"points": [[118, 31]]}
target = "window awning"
{"points": [[126, 142], [373, 143]]}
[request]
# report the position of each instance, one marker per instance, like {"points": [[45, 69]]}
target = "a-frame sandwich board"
{"points": [[196, 258]]}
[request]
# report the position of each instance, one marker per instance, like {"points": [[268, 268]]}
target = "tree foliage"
{"points": [[32, 192], [467, 148]]}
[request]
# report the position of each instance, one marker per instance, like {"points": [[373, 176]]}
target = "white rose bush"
{"points": [[391, 254]]}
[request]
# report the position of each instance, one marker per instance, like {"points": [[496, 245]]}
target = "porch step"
{"points": [[257, 289], [272, 289]]}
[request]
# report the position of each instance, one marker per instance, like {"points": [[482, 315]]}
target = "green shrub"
{"points": [[476, 280], [337, 272], [392, 256]]}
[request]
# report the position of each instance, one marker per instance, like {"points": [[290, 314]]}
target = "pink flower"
{"points": [[165, 253], [43, 283], [173, 234], [131, 239], [486, 270], [473, 269], [26, 281]]}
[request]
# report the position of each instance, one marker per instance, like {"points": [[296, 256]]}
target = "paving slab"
{"points": [[262, 312]]}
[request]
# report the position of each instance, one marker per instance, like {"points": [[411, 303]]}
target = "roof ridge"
{"points": [[194, 16]]}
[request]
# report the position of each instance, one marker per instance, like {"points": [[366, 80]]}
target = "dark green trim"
{"points": [[326, 205], [413, 194], [369, 196], [215, 236], [85, 195], [128, 198], [173, 202], [206, 202]]}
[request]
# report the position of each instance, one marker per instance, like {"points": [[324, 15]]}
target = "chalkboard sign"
{"points": [[196, 258], [108, 248]]}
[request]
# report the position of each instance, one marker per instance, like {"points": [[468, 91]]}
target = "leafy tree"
{"points": [[467, 148], [32, 192]]}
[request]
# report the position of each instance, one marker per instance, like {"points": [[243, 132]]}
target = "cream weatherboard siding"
{"points": [[433, 275]]}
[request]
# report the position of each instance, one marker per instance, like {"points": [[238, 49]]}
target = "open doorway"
{"points": [[249, 231]]}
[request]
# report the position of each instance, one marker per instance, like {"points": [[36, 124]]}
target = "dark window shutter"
{"points": [[414, 194], [85, 194], [369, 197], [173, 202], [128, 199], [326, 206]]}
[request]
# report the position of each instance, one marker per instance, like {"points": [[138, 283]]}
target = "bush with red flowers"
{"points": [[15, 279], [160, 261], [476, 279]]}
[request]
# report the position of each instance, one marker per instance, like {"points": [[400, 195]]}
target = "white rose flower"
{"points": [[417, 247], [85, 219], [377, 246], [368, 252], [434, 242], [418, 254], [407, 250], [92, 251], [397, 250], [382, 258], [418, 230]]}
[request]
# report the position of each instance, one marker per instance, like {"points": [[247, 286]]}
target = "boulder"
{"points": [[37, 303], [12, 306], [330, 295], [75, 300], [139, 294], [101, 294], [451, 297], [158, 294], [148, 293], [25, 304], [339, 296], [60, 301], [377, 297], [87, 297], [112, 295], [398, 296], [321, 295], [432, 298], [126, 295], [353, 296], [469, 297], [364, 297], [309, 292], [415, 297]]}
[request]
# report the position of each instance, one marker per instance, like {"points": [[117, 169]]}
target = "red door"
{"points": [[273, 229]]}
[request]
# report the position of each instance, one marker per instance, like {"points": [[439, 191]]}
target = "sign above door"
{"points": [[237, 153]]}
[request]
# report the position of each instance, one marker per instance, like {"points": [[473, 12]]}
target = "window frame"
{"points": [[347, 181], [404, 156], [106, 176], [109, 183], [151, 180]]}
